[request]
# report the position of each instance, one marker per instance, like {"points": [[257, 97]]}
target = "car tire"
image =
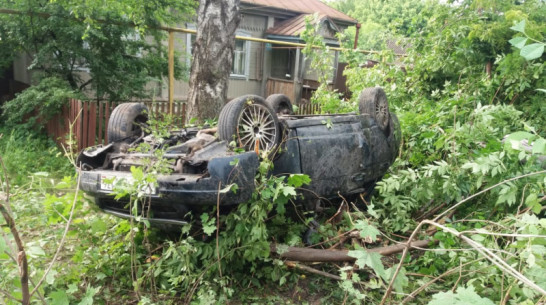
{"points": [[280, 103], [373, 101], [247, 119], [126, 121]]}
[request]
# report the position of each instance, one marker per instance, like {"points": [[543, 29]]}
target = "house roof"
{"points": [[303, 6], [294, 26]]}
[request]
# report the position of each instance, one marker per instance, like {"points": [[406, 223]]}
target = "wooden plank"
{"points": [[101, 120], [106, 120], [85, 126], [92, 133], [65, 123], [184, 113], [79, 123]]}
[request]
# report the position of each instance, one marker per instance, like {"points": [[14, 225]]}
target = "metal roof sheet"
{"points": [[294, 26], [303, 6]]}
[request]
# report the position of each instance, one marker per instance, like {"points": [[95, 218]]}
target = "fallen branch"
{"points": [[492, 257], [320, 255], [312, 270], [405, 252], [412, 295]]}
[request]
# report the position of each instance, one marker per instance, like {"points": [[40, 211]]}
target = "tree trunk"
{"points": [[212, 56]]}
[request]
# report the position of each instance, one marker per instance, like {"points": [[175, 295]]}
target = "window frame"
{"points": [[246, 49]]}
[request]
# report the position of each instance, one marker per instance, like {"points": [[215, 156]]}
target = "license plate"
{"points": [[107, 183]]}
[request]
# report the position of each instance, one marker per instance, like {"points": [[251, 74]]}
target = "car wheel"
{"points": [[280, 103], [249, 120], [126, 121], [373, 101]]}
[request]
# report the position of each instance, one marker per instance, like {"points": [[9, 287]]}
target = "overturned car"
{"points": [[343, 154]]}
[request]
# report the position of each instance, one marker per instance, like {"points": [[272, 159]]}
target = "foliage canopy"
{"points": [[116, 42]]}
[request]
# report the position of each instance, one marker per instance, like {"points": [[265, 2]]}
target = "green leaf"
{"points": [[532, 202], [370, 259], [366, 230], [513, 140], [137, 173], [477, 237], [226, 189], [401, 280], [297, 180], [539, 146], [520, 27], [58, 297], [50, 277], [464, 296], [208, 224], [541, 90], [281, 248], [518, 42], [520, 135], [288, 191], [72, 288], [98, 226], [3, 245], [35, 251], [88, 297], [532, 51]]}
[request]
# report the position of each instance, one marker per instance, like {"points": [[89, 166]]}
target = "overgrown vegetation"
{"points": [[470, 178]]}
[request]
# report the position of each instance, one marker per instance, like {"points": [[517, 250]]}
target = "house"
{"points": [[258, 68], [267, 68]]}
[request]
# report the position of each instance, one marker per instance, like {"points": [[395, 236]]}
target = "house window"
{"points": [[241, 55], [240, 58]]}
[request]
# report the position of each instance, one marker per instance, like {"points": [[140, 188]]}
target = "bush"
{"points": [[44, 100]]}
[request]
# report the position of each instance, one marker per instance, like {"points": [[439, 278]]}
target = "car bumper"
{"points": [[175, 194]]}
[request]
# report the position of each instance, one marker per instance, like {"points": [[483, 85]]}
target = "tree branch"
{"points": [[312, 270], [62, 239], [21, 254]]}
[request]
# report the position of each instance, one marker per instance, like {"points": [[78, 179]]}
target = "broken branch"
{"points": [[312, 270], [320, 255]]}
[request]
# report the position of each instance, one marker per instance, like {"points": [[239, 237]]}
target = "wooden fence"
{"points": [[283, 86], [303, 109], [88, 120]]}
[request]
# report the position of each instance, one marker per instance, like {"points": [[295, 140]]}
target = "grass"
{"points": [[25, 153]]}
